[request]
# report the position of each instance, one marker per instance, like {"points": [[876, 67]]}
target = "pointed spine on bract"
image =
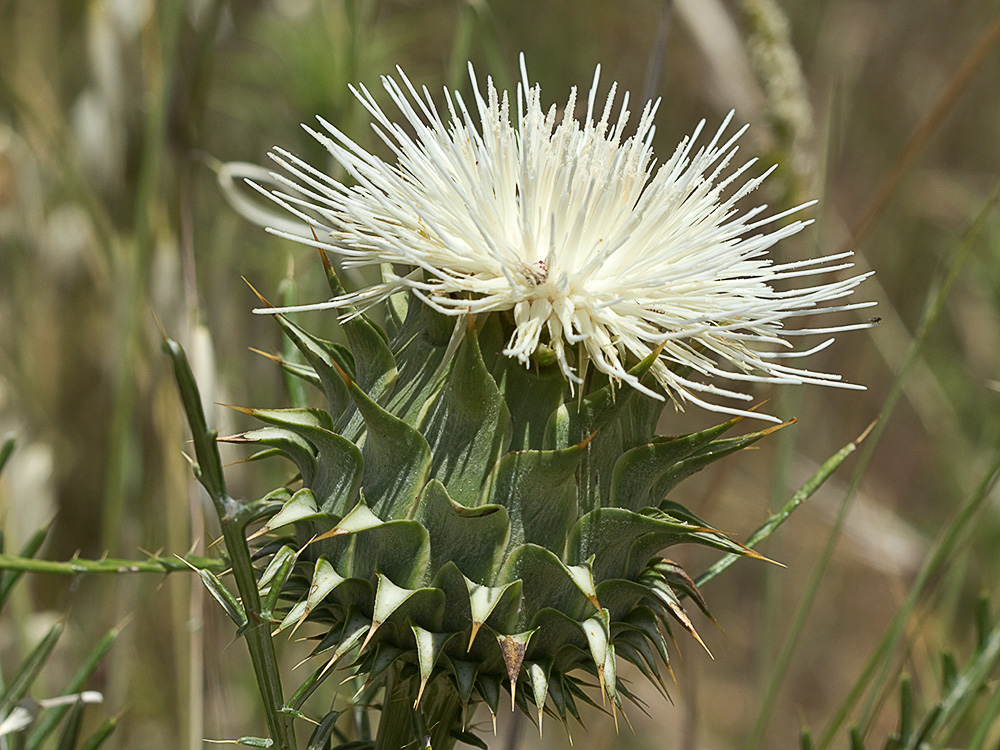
{"points": [[471, 520]]}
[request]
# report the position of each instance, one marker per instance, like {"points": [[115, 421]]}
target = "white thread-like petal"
{"points": [[574, 228]]}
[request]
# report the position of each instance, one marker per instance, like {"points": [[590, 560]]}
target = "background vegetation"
{"points": [[114, 118]]}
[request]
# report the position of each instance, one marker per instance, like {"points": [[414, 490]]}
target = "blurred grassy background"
{"points": [[112, 115]]}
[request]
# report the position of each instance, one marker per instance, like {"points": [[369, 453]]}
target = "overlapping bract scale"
{"points": [[475, 520]]}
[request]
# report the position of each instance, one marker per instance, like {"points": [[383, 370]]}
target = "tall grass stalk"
{"points": [[932, 310]]}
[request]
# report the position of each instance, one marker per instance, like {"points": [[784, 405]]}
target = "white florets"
{"points": [[569, 224]]}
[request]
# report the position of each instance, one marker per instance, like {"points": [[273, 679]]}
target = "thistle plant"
{"points": [[482, 505]]}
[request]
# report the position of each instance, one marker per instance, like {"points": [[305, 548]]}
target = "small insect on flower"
{"points": [[600, 255]]}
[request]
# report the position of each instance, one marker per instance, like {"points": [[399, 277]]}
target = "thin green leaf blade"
{"points": [[48, 720], [18, 687], [94, 741], [9, 577], [808, 488]]}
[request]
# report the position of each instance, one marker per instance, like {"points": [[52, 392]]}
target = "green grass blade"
{"points": [[48, 721], [943, 548], [932, 310], [104, 731], [990, 715], [5, 450], [8, 577], [19, 686], [71, 731], [776, 519], [964, 689]]}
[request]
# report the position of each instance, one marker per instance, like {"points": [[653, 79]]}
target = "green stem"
{"points": [[428, 727], [113, 565], [443, 709], [395, 726], [258, 634], [234, 518]]}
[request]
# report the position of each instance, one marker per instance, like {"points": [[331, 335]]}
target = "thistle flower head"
{"points": [[599, 254]]}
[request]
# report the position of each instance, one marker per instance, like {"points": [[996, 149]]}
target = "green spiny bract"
{"points": [[472, 520]]}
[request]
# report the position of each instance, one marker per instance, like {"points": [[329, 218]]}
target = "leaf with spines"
{"points": [[597, 629], [620, 596], [451, 526], [635, 647], [538, 490], [605, 418], [284, 442], [324, 731], [639, 469], [677, 578], [230, 604], [541, 391], [538, 676], [274, 578], [300, 507], [396, 458], [547, 582], [430, 647], [330, 465], [578, 419], [374, 365], [703, 457], [420, 348], [327, 360], [452, 493], [669, 603], [324, 580], [617, 539], [344, 639], [399, 549], [496, 604], [425, 604], [513, 646], [467, 425], [645, 547]]}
